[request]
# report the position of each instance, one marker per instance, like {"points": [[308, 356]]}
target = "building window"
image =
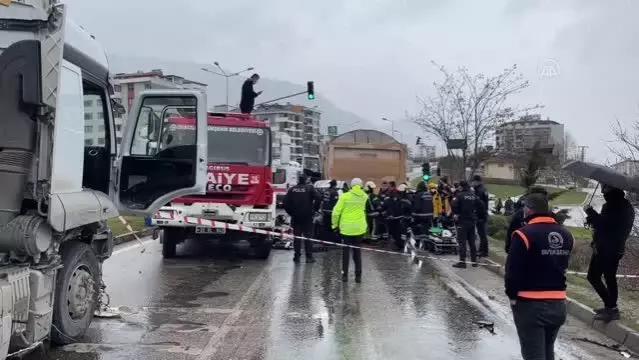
{"points": [[101, 128], [118, 127], [100, 115], [88, 129], [88, 116], [88, 142], [98, 102], [119, 140], [101, 141], [88, 103], [117, 88], [147, 86]]}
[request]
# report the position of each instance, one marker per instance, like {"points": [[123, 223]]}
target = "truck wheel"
{"points": [[169, 243], [76, 292], [262, 247]]}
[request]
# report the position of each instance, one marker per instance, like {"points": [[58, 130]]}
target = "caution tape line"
{"points": [[134, 233], [223, 225]]}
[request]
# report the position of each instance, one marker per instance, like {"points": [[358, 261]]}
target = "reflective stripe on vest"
{"points": [[539, 294]]}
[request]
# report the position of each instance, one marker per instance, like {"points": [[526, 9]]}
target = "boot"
{"points": [[296, 259], [460, 265], [608, 315], [358, 278], [345, 277], [310, 259]]}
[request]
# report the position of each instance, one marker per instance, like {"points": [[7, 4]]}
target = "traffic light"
{"points": [[310, 90], [426, 171]]}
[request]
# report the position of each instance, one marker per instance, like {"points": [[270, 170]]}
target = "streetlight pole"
{"points": [[392, 124], [227, 76]]}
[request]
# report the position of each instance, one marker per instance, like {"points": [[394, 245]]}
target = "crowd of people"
{"points": [[537, 244]]}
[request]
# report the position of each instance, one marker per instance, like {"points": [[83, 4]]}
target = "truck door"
{"points": [[153, 166]]}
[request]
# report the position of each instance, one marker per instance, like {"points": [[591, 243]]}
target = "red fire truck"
{"points": [[239, 191]]}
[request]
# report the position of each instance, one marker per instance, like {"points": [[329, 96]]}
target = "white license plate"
{"points": [[209, 230]]}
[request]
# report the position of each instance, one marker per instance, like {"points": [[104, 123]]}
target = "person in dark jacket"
{"points": [[329, 199], [373, 208], [422, 205], [509, 207], [482, 222], [467, 208], [611, 228], [301, 203], [535, 278], [248, 94], [517, 220], [395, 210]]}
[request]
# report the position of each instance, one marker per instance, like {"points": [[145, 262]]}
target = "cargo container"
{"points": [[367, 154]]}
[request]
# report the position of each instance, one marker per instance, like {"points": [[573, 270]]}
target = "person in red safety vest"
{"points": [[535, 278]]}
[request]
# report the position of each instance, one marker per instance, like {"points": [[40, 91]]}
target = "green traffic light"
{"points": [[426, 177], [311, 96]]}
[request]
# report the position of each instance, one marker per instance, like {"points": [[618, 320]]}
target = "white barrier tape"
{"points": [[135, 235], [223, 225]]}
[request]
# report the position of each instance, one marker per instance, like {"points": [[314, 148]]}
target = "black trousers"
{"points": [[537, 323], [482, 228], [357, 254], [395, 231], [466, 236], [328, 234], [421, 225], [302, 228], [605, 265]]}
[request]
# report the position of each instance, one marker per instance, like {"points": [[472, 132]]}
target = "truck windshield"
{"points": [[227, 144]]}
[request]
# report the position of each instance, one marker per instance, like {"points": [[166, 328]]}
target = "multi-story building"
{"points": [[522, 135], [302, 124], [125, 88], [628, 167]]}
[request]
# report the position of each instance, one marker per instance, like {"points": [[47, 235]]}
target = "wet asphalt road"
{"points": [[200, 306]]}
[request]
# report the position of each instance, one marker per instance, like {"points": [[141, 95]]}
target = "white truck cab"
{"points": [[60, 186]]}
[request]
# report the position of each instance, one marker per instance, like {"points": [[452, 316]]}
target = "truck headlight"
{"points": [[258, 217]]}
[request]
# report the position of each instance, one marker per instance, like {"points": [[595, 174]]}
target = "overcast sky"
{"points": [[373, 57]]}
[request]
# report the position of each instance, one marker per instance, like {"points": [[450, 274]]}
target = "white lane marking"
{"points": [[212, 347], [131, 247]]}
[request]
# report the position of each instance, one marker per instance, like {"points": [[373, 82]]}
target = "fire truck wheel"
{"points": [[76, 292], [169, 243], [262, 247]]}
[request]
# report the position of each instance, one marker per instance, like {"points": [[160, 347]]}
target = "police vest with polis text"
{"points": [[537, 271]]}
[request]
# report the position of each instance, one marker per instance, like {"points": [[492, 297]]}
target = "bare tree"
{"points": [[627, 141], [470, 107]]}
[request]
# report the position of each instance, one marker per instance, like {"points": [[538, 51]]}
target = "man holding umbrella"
{"points": [[611, 228]]}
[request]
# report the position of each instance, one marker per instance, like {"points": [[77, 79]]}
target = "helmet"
{"points": [[370, 185], [402, 187]]}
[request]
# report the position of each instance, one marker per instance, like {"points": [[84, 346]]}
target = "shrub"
{"points": [[497, 226]]}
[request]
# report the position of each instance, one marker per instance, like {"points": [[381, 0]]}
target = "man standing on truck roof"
{"points": [[248, 94], [301, 203]]}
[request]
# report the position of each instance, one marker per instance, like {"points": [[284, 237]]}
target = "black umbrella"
{"points": [[603, 174]]}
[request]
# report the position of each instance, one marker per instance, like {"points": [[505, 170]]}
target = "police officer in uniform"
{"points": [[422, 206], [301, 203], [329, 199], [535, 278], [373, 207], [349, 218], [467, 208]]}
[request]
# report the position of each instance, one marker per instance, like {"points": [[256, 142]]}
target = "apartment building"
{"points": [[302, 124], [126, 86], [627, 167], [521, 135]]}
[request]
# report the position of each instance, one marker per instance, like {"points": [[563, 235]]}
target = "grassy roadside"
{"points": [[578, 286], [118, 228], [570, 197]]}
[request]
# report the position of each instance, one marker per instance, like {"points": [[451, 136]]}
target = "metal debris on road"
{"points": [[488, 325]]}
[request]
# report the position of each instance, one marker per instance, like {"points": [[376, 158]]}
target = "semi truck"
{"points": [[58, 189], [239, 182]]}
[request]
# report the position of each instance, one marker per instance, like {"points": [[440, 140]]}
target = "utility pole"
{"points": [[583, 152], [583, 158]]}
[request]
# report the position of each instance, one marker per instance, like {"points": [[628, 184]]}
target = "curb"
{"points": [[614, 330], [124, 238]]}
